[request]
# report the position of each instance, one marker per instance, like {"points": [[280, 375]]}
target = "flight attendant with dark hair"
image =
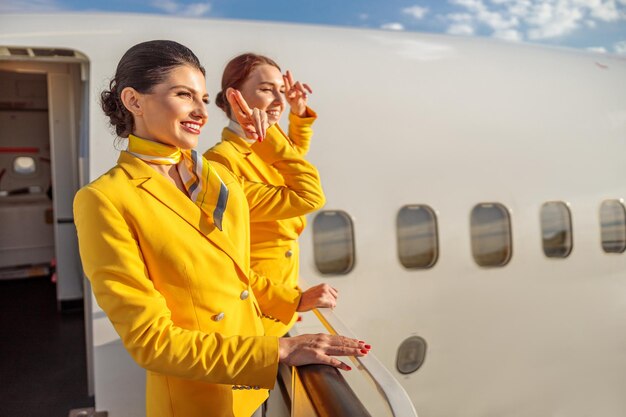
{"points": [[274, 248], [164, 240]]}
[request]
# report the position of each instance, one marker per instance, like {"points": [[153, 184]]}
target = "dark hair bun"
{"points": [[221, 102], [119, 117]]}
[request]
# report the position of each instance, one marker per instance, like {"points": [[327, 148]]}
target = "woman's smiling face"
{"points": [[174, 111], [264, 89]]}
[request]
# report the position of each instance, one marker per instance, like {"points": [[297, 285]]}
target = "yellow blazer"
{"points": [[179, 292], [274, 248]]}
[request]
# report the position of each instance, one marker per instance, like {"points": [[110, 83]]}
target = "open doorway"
{"points": [[42, 127], [43, 133]]}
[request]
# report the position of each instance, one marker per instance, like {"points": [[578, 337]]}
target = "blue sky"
{"points": [[598, 25]]}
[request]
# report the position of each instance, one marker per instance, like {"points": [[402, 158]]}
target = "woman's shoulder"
{"points": [[224, 154], [230, 146], [227, 176], [109, 184]]}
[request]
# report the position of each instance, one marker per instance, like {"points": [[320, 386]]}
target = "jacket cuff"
{"points": [[309, 117]]}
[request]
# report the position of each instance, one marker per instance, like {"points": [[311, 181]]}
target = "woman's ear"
{"points": [[131, 99], [229, 106]]}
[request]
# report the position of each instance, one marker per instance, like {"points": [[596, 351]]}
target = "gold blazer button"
{"points": [[289, 253], [244, 294], [218, 316]]}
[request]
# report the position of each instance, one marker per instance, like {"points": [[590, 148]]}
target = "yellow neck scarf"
{"points": [[204, 186]]}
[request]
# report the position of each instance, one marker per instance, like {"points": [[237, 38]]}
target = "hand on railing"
{"points": [[320, 348], [399, 401]]}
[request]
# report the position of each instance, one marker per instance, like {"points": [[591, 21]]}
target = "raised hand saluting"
{"points": [[296, 94], [253, 121]]}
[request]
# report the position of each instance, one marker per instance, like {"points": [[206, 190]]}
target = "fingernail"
{"points": [[363, 351], [361, 341], [368, 347], [348, 368]]}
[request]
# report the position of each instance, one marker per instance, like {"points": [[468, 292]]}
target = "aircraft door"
{"points": [[64, 157]]}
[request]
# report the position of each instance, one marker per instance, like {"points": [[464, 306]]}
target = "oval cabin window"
{"points": [[24, 165], [416, 229], [333, 242], [613, 226], [411, 355], [556, 229], [490, 226]]}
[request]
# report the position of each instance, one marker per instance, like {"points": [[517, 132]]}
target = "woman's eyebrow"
{"points": [[185, 87], [271, 83], [191, 90]]}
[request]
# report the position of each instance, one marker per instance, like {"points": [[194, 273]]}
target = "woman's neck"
{"points": [[170, 172]]}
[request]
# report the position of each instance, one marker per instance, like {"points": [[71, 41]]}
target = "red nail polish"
{"points": [[363, 351], [368, 347], [361, 341], [349, 369]]}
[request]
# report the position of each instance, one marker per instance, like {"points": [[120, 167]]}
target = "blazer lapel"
{"points": [[162, 190]]}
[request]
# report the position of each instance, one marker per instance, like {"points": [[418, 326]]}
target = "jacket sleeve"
{"points": [[302, 192], [301, 131], [113, 262], [277, 301]]}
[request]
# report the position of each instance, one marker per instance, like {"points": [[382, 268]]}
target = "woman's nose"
{"points": [[201, 111], [279, 97]]}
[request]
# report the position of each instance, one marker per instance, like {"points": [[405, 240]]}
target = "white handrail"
{"points": [[398, 400]]}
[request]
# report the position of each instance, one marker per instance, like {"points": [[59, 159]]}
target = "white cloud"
{"points": [[552, 21], [534, 19], [392, 26], [460, 29], [603, 10], [620, 48], [18, 6], [599, 49], [519, 8], [460, 17], [198, 9], [501, 24], [166, 5], [473, 5], [416, 11], [178, 8], [496, 21]]}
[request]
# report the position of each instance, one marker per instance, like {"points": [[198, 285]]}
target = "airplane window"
{"points": [[333, 242], [556, 229], [411, 355], [490, 226], [24, 165], [417, 236], [613, 226]]}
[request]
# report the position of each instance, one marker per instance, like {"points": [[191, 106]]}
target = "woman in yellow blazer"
{"points": [[274, 246], [164, 239]]}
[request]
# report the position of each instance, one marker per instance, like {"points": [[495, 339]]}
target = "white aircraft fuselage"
{"points": [[411, 119]]}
